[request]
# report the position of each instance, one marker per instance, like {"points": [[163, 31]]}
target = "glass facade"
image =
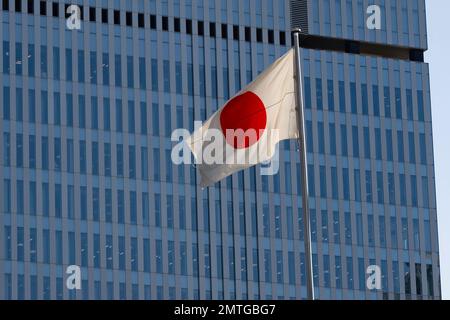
{"points": [[403, 22], [87, 178]]}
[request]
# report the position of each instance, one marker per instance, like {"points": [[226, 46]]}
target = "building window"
{"points": [[131, 117], [119, 159], [142, 74], [132, 162], [189, 26], [94, 113], [83, 203], [259, 35], [117, 17], [200, 28], [118, 70], [120, 207], [92, 14], [212, 29], [80, 56], [165, 23], [69, 68], [95, 163], [122, 253], [282, 38], [43, 8], [93, 67], [152, 21], [106, 115], [55, 9], [108, 205], [46, 245], [83, 161], [130, 72], [119, 115], [104, 15], [107, 159], [177, 25]]}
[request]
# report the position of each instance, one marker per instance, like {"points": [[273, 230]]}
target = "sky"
{"points": [[438, 56]]}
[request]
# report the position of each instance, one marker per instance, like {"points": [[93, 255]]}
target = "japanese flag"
{"points": [[248, 128]]}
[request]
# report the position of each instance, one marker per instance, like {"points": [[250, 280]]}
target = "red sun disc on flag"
{"points": [[243, 120]]}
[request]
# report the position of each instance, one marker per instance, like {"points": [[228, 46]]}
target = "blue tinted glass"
{"points": [[389, 146], [69, 110], [6, 63], [412, 147], [382, 229], [323, 182], [94, 113], [346, 183], [369, 195], [56, 63], [6, 103], [367, 149], [342, 103], [130, 72], [398, 104], [391, 188], [68, 64], [81, 77], [357, 182], [378, 145], [106, 114], [321, 137], [330, 88], [155, 119], [19, 62], [350, 272], [95, 159], [376, 101], [31, 106], [353, 99], [119, 115], [31, 60], [387, 102], [380, 187], [420, 105], [413, 183], [142, 74], [44, 107], [309, 137], [344, 143], [131, 117], [154, 75], [57, 108], [44, 66], [319, 94], [334, 183], [105, 68], [355, 136], [332, 138], [307, 85], [118, 70]]}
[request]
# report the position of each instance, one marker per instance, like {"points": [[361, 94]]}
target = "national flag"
{"points": [[251, 124]]}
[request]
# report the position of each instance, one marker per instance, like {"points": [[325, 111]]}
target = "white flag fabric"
{"points": [[250, 125]]}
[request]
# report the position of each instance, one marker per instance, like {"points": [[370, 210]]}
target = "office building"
{"points": [[86, 172]]}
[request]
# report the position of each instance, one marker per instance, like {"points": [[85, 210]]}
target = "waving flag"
{"points": [[250, 125]]}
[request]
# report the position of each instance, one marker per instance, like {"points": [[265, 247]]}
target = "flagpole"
{"points": [[304, 164]]}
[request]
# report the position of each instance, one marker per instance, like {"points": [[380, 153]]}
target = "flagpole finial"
{"points": [[296, 30]]}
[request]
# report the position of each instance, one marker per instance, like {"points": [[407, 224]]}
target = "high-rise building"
{"points": [[87, 177]]}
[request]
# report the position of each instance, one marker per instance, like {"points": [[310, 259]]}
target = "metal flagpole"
{"points": [[303, 164]]}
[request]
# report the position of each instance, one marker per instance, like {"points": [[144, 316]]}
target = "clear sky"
{"points": [[438, 56]]}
